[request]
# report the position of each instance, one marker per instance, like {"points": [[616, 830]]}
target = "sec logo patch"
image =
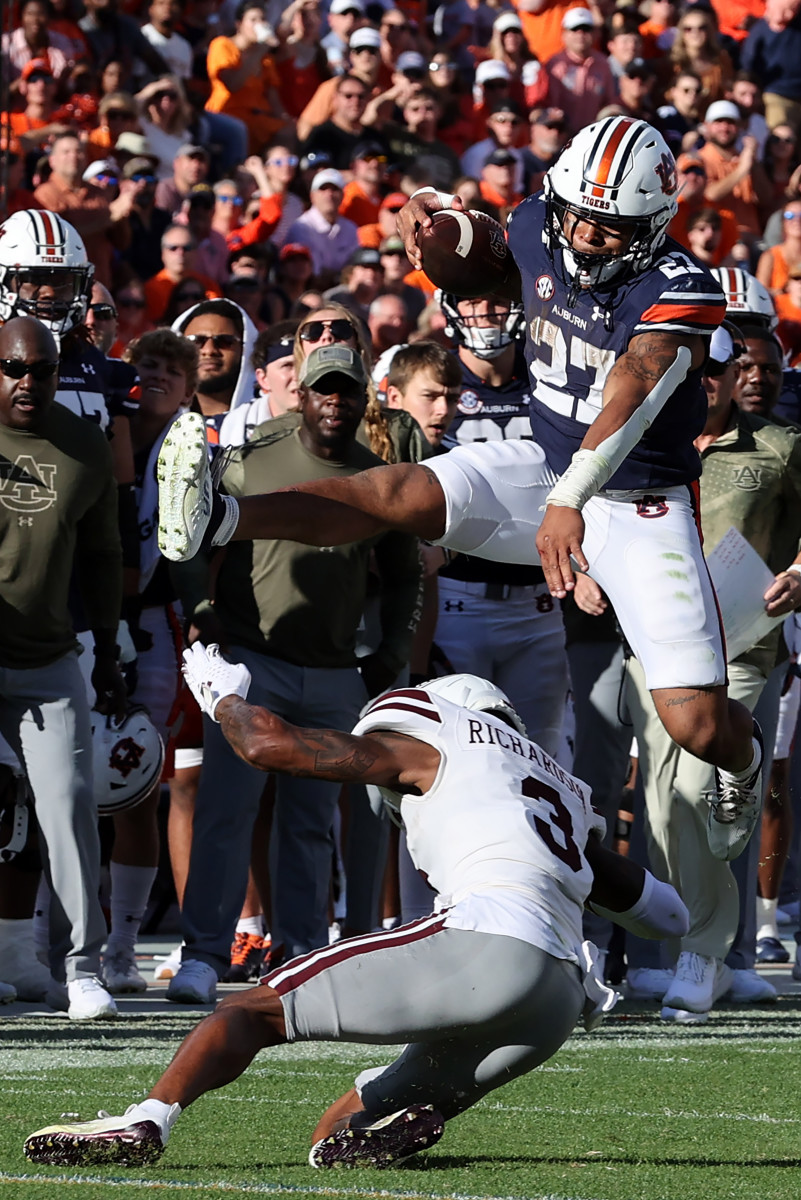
{"points": [[469, 403], [545, 287]]}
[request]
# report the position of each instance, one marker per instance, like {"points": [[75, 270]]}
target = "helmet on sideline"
{"points": [[619, 173], [128, 759], [746, 297], [39, 249], [477, 694], [485, 341]]}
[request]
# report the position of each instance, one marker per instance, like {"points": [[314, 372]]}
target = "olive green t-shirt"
{"points": [[302, 603], [58, 508]]}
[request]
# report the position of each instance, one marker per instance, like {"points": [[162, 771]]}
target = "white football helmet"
{"points": [[484, 340], [618, 172], [746, 298], [477, 694], [40, 250], [128, 759]]}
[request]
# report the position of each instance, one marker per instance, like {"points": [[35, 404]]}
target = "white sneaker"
{"points": [[699, 981], [683, 1016], [135, 1138], [171, 965], [89, 1001], [734, 809], [8, 994], [647, 983], [749, 987], [120, 974], [195, 983], [185, 493]]}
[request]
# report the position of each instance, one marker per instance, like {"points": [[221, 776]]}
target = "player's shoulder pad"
{"points": [[405, 710], [678, 294], [527, 217]]}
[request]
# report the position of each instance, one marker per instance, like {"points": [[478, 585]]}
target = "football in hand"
{"points": [[466, 253]]}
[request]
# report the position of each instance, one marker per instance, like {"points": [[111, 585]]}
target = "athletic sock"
{"points": [[751, 769], [766, 918], [254, 925], [130, 892]]}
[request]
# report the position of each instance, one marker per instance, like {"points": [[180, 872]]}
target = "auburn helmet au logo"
{"points": [[666, 170], [126, 756]]}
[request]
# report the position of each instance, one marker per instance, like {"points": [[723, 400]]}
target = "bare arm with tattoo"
{"points": [[383, 758], [333, 512]]}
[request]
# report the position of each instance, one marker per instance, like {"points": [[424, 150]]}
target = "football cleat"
{"points": [[247, 957], [383, 1143], [185, 492], [734, 809], [131, 1140]]}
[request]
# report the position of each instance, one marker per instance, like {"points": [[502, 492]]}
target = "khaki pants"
{"points": [[674, 782], [780, 110]]}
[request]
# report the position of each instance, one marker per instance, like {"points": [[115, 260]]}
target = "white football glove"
{"points": [[211, 677]]}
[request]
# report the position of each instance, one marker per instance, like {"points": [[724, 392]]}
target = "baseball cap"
{"points": [[638, 68], [721, 346], [410, 60], [365, 38], [191, 150], [294, 250], [491, 68], [394, 200], [365, 256], [505, 106], [574, 18], [283, 348], [343, 6], [137, 166], [328, 176], [690, 160], [368, 149], [315, 159], [332, 360], [722, 110], [500, 158], [39, 66], [135, 144], [392, 245], [553, 118], [507, 20], [102, 166]]}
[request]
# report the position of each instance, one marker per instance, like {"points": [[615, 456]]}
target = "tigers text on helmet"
{"points": [[618, 174], [485, 335], [477, 694], [746, 298], [44, 270], [127, 758]]}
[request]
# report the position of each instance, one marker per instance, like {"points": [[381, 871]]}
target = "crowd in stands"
{"points": [[235, 172]]}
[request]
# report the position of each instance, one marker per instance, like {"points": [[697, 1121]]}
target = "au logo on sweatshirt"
{"points": [[27, 486]]}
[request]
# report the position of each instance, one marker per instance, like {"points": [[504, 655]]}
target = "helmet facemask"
{"points": [[485, 335], [62, 310]]}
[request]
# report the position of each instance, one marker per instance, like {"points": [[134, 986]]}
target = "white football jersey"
{"points": [[501, 833]]}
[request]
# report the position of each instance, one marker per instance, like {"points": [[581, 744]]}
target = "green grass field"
{"points": [[636, 1111]]}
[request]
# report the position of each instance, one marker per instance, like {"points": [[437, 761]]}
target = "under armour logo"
{"points": [[25, 520], [454, 606]]}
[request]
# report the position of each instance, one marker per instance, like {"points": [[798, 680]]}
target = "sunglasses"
{"points": [[39, 76], [353, 95], [364, 50], [15, 368], [715, 369], [129, 302], [397, 27], [448, 66], [143, 179], [104, 312], [775, 137], [176, 246], [220, 341], [693, 171], [120, 114], [191, 297], [289, 160], [789, 215], [341, 330], [235, 200], [106, 178]]}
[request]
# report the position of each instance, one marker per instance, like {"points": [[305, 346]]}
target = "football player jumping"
{"points": [[618, 321], [482, 990]]}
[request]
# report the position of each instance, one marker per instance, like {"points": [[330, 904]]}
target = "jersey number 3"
{"points": [[569, 854]]}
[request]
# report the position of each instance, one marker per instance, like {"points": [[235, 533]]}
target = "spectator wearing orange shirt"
{"points": [[387, 223], [177, 252], [301, 62], [659, 31], [361, 201], [34, 126], [542, 22], [117, 114], [692, 186], [734, 178], [788, 310], [244, 81], [774, 265]]}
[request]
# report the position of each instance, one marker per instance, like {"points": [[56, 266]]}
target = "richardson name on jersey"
{"points": [[481, 733]]}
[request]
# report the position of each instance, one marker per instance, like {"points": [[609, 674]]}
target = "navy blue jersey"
{"points": [[93, 386], [570, 350], [491, 414]]}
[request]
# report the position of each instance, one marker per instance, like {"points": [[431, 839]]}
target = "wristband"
{"points": [[586, 475], [795, 567], [445, 198]]}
